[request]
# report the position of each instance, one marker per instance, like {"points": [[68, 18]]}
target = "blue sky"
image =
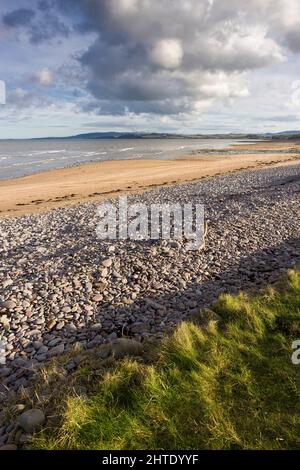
{"points": [[74, 66]]}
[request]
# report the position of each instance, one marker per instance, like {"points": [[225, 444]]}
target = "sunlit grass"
{"points": [[228, 386]]}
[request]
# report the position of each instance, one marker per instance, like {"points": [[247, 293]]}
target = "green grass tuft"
{"points": [[228, 386]]}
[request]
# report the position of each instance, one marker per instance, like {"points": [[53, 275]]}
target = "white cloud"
{"points": [[167, 53], [123, 7], [45, 77]]}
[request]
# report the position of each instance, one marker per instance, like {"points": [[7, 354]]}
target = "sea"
{"points": [[25, 157]]}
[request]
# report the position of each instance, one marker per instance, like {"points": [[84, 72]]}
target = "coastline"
{"points": [[41, 192]]}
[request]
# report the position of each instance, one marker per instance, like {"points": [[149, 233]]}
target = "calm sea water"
{"points": [[24, 157]]}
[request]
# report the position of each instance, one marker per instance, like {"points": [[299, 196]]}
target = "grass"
{"points": [[230, 385]]}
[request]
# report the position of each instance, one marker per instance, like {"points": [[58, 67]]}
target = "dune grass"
{"points": [[230, 385]]}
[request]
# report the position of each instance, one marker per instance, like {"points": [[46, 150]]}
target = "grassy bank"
{"points": [[227, 383]]}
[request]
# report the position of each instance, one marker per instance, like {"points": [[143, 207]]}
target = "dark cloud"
{"points": [[41, 25], [49, 28], [44, 5], [19, 17], [167, 56], [293, 39]]}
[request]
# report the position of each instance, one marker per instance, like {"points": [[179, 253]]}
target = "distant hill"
{"points": [[145, 135], [157, 135], [285, 135]]}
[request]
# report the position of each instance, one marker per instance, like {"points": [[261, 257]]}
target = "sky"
{"points": [[187, 66]]}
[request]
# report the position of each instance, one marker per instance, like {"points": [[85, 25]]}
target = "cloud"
{"points": [[170, 55], [160, 57], [45, 77], [19, 17], [167, 53], [41, 24]]}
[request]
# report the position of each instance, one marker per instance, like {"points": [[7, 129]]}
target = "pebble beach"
{"points": [[61, 285]]}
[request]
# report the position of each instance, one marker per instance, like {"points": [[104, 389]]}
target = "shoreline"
{"points": [[42, 192]]}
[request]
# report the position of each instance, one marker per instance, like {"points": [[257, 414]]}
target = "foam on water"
{"points": [[24, 157]]}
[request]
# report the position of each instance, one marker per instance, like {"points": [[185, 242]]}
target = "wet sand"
{"points": [[98, 181]]}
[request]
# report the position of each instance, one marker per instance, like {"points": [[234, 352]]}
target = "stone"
{"points": [[139, 327], [8, 305], [51, 324], [96, 327], [125, 346], [112, 336], [101, 286], [9, 447], [107, 263], [32, 420], [154, 304], [104, 272], [5, 371], [121, 347], [207, 318], [56, 350], [97, 298], [19, 407], [71, 328], [4, 320], [54, 342]]}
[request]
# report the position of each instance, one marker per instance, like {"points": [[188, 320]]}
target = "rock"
{"points": [[71, 328], [43, 349], [8, 305], [18, 407], [9, 447], [66, 309], [71, 365], [112, 336], [5, 371], [154, 304], [2, 359], [175, 244], [56, 350], [97, 298], [88, 308], [51, 324], [104, 272], [105, 351], [41, 357], [96, 327], [4, 320], [7, 282], [101, 286], [107, 263], [89, 286], [120, 347], [32, 420], [207, 318], [139, 327], [54, 342]]}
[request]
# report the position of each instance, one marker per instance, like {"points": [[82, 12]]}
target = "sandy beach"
{"points": [[97, 181]]}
